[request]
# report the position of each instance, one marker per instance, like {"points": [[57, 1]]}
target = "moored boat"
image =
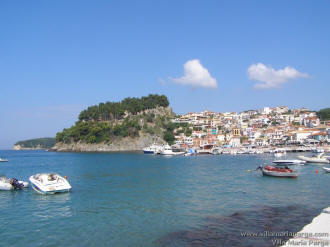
{"points": [[289, 162], [49, 183], [3, 160], [12, 184], [319, 158], [272, 171], [326, 169]]}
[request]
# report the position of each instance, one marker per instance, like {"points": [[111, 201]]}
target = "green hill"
{"points": [[38, 143], [110, 122], [324, 114]]}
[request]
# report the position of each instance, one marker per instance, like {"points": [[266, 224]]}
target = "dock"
{"points": [[317, 233]]}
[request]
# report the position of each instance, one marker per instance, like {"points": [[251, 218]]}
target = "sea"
{"points": [[132, 199]]}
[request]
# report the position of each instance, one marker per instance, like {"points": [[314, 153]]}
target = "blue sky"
{"points": [[58, 57]]}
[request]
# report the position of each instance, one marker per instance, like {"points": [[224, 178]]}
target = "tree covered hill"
{"points": [[111, 121], [324, 114], [38, 143]]}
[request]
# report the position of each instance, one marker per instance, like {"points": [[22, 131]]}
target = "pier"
{"points": [[317, 233]]}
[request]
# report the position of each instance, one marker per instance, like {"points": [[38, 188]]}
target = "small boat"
{"points": [[3, 160], [273, 171], [49, 183], [319, 158], [327, 169], [289, 162], [12, 184], [318, 150], [153, 149], [167, 150]]}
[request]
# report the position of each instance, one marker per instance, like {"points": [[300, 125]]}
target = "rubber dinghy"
{"points": [[12, 184], [49, 183], [282, 172]]}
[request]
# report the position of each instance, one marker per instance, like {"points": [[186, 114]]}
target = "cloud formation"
{"points": [[270, 77], [196, 75]]}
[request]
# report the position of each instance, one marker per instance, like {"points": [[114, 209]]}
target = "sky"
{"points": [[59, 57]]}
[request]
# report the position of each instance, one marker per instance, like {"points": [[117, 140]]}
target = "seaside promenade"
{"points": [[317, 233]]}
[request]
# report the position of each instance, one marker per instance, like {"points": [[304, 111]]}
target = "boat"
{"points": [[3, 160], [318, 158], [273, 171], [205, 149], [167, 150], [49, 183], [191, 152], [289, 162], [12, 184], [318, 150], [327, 169], [153, 149]]}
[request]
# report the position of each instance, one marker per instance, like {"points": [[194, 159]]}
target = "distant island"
{"points": [[128, 125], [35, 144]]}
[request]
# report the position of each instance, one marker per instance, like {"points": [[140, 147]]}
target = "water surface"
{"points": [[123, 199]]}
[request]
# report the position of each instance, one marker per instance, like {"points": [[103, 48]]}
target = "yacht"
{"points": [[3, 160], [49, 183], [319, 158], [167, 150], [153, 149]]}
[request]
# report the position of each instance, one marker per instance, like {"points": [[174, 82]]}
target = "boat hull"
{"points": [[326, 169], [313, 160], [279, 174]]}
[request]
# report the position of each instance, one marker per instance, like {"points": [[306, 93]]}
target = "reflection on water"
{"points": [[51, 206]]}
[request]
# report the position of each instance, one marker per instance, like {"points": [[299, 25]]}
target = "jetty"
{"points": [[317, 233]]}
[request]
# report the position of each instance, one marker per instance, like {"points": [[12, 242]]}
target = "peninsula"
{"points": [[128, 125], [35, 144]]}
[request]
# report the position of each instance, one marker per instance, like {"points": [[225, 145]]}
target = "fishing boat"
{"points": [[319, 158], [282, 172], [3, 160], [12, 184], [326, 169], [289, 162], [49, 183]]}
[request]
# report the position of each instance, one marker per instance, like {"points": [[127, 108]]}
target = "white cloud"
{"points": [[196, 75], [270, 77]]}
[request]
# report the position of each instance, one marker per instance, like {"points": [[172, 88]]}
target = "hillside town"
{"points": [[264, 128]]}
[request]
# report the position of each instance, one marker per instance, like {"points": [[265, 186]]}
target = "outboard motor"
{"points": [[16, 184]]}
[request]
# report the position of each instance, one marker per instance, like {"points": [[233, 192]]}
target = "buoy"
{"points": [[317, 171], [249, 170], [65, 177]]}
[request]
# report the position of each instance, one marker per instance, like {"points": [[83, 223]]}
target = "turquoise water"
{"points": [[127, 199]]}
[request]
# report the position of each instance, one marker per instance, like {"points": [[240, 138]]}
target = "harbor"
{"points": [[158, 200]]}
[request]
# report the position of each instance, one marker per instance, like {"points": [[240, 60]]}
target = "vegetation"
{"points": [[112, 120], [43, 143], [116, 110], [324, 114]]}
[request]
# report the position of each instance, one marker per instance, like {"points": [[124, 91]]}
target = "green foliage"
{"points": [[169, 137], [116, 110], [324, 114], [47, 142], [107, 121]]}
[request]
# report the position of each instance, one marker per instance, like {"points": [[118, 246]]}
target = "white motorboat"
{"points": [[289, 162], [153, 149], [319, 158], [49, 183], [3, 160], [167, 150], [327, 169], [12, 184]]}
